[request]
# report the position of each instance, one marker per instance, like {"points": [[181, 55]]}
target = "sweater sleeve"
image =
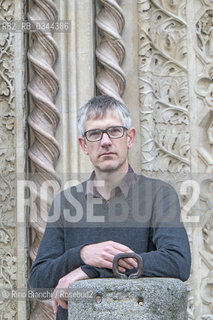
{"points": [[52, 261], [169, 253], [96, 272]]}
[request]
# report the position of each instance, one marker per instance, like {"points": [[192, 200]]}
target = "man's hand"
{"points": [[101, 255], [60, 294]]}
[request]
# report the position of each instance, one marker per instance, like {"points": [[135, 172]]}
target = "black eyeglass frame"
{"points": [[104, 131]]}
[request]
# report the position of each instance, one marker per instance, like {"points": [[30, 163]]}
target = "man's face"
{"points": [[108, 154]]}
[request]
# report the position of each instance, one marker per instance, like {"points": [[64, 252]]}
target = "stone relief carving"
{"points": [[7, 187], [8, 265], [43, 121], [208, 235], [165, 127], [111, 51], [7, 282], [207, 317], [205, 34], [204, 89], [163, 86], [204, 84], [163, 81], [207, 287], [206, 250]]}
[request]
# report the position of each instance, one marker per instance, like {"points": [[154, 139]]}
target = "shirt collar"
{"points": [[123, 187]]}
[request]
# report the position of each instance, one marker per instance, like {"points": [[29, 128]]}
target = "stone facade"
{"points": [[155, 55]]}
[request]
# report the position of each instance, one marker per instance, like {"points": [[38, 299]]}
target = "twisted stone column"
{"points": [[110, 53], [43, 121]]}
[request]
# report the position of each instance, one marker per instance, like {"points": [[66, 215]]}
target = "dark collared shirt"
{"points": [[121, 190]]}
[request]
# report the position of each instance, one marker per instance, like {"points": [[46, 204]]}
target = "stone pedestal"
{"points": [[145, 298]]}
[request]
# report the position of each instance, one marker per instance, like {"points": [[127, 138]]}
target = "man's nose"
{"points": [[105, 139]]}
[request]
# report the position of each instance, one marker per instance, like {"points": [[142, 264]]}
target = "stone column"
{"points": [[110, 52], [73, 64], [117, 60], [43, 120]]}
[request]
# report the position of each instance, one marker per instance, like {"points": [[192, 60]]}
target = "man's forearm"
{"points": [[61, 290], [52, 264]]}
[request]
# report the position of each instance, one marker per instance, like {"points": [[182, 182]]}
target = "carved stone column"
{"points": [[116, 58], [12, 156], [110, 52], [43, 121], [201, 70], [8, 254]]}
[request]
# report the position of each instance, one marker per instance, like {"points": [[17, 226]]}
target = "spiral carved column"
{"points": [[43, 121], [110, 53]]}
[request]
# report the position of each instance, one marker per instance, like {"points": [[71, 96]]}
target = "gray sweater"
{"points": [[146, 219]]}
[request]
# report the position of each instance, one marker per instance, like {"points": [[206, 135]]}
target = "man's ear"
{"points": [[131, 137], [83, 145]]}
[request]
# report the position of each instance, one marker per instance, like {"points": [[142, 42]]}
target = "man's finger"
{"points": [[120, 269], [127, 263], [124, 264], [121, 247], [55, 305], [131, 262]]}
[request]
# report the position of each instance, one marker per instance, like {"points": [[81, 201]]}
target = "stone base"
{"points": [[145, 298]]}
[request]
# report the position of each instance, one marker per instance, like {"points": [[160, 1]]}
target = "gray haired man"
{"points": [[114, 211]]}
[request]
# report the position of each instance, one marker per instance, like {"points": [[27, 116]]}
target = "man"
{"points": [[115, 211]]}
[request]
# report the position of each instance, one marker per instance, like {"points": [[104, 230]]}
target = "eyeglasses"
{"points": [[114, 132]]}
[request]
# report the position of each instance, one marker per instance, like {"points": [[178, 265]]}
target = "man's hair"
{"points": [[97, 108]]}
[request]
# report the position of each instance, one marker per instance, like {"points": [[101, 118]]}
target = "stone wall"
{"points": [[158, 58]]}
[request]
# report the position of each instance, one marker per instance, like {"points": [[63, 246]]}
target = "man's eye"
{"points": [[115, 130], [94, 133]]}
